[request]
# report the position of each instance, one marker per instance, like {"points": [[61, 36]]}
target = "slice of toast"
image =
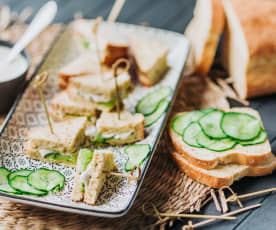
{"points": [[204, 32], [150, 58], [223, 175], [246, 155]]}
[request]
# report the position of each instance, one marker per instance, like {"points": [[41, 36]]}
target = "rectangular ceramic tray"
{"points": [[27, 112]]}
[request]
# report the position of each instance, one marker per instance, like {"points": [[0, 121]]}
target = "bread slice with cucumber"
{"points": [[223, 175], [208, 138]]}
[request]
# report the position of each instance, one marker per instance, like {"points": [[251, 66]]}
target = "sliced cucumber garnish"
{"points": [[215, 145], [161, 109], [208, 110], [136, 155], [109, 104], [85, 157], [62, 157], [21, 172], [210, 124], [20, 183], [148, 104], [241, 126], [180, 122], [46, 180], [4, 184], [258, 140], [190, 133]]}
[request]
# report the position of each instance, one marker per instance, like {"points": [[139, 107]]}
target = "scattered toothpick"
{"points": [[223, 201], [215, 199], [97, 22], [234, 195], [156, 213], [236, 198], [115, 11], [39, 80], [129, 177], [202, 223], [115, 68]]}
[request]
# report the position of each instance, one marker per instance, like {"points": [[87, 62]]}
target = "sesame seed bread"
{"points": [[223, 175], [151, 59], [246, 155], [63, 107], [68, 136], [249, 47], [204, 32]]}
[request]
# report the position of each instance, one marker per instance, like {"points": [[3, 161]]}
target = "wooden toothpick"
{"points": [[202, 223], [155, 212], [39, 80], [129, 177], [115, 68], [215, 199], [115, 11], [234, 195], [97, 22]]}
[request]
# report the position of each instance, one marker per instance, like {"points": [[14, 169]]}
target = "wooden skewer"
{"points": [[95, 32], [159, 215], [223, 201], [236, 197], [215, 199], [202, 223], [233, 195], [39, 80], [115, 68], [115, 11]]}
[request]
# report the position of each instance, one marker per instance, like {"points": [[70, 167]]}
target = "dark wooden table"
{"points": [[175, 15]]}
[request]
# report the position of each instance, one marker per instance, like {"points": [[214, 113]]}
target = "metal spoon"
{"points": [[43, 18]]}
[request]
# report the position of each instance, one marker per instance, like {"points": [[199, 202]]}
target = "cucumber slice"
{"points": [[215, 145], [62, 157], [190, 133], [85, 157], [136, 155], [4, 183], [109, 104], [208, 110], [181, 122], [46, 180], [210, 124], [148, 104], [22, 172], [161, 108], [20, 183], [241, 126], [258, 140]]}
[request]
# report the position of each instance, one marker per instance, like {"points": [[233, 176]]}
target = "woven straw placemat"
{"points": [[167, 187]]}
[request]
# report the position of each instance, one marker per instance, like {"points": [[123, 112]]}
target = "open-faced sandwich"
{"points": [[216, 147], [60, 147], [92, 168]]}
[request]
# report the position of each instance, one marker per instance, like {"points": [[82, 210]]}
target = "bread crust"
{"points": [[209, 51], [216, 181], [231, 157]]}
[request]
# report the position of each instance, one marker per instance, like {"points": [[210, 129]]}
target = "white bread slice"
{"points": [[204, 32], [103, 87], [86, 63], [223, 175], [151, 59], [129, 127], [63, 107], [246, 155], [112, 44], [68, 136], [249, 48]]}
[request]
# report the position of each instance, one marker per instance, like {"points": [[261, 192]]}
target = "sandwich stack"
{"points": [[218, 147]]}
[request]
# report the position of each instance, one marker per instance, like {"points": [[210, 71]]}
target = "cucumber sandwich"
{"points": [[60, 147], [90, 176], [112, 130], [217, 147]]}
